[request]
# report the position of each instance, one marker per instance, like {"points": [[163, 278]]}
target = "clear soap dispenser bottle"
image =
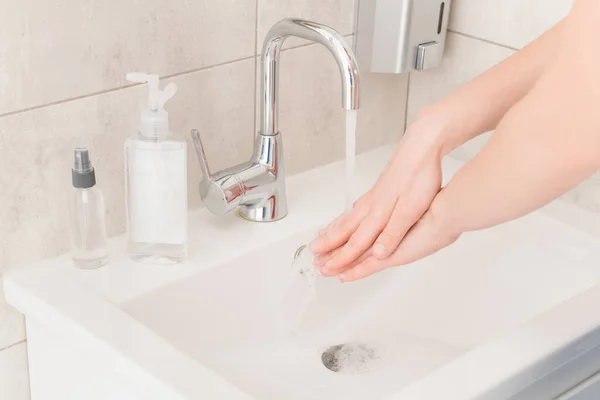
{"points": [[156, 182]]}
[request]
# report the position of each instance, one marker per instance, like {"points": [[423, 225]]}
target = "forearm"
{"points": [[479, 105], [547, 144]]}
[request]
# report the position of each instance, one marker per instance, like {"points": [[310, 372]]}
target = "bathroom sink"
{"points": [[501, 310], [415, 319]]}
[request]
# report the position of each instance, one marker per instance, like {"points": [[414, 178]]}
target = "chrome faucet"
{"points": [[257, 187]]}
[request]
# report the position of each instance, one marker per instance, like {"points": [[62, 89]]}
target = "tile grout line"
{"points": [[13, 345], [175, 75], [63, 101], [483, 40], [344, 35], [116, 89], [193, 71]]}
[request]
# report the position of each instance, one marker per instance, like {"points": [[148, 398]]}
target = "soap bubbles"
{"points": [[300, 289]]}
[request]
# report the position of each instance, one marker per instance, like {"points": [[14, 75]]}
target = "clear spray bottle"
{"points": [[86, 215]]}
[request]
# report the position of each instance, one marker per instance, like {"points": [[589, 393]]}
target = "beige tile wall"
{"points": [[14, 381], [94, 43], [484, 32], [315, 135], [62, 65], [512, 23]]}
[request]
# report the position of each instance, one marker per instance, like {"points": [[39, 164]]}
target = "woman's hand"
{"points": [[381, 218], [426, 237], [545, 145]]}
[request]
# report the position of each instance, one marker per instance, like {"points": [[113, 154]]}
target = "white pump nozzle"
{"points": [[154, 121]]}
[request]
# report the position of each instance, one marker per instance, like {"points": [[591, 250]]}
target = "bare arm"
{"points": [[548, 143], [479, 105], [413, 176]]}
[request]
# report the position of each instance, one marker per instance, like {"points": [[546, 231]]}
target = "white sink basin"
{"points": [[486, 318]]}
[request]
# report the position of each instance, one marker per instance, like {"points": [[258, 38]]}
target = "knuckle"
{"points": [[353, 246], [342, 223], [388, 236], [332, 226], [353, 250], [413, 211], [363, 200], [330, 242], [347, 226]]}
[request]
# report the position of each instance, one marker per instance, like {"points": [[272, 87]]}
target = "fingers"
{"points": [[367, 267], [411, 249], [363, 258], [320, 260], [323, 264], [360, 241], [422, 240], [338, 232], [395, 230]]}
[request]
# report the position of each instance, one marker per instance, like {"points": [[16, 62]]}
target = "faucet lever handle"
{"points": [[200, 154], [221, 192]]}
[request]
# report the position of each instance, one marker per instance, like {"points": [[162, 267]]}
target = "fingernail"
{"points": [[313, 245], [342, 277], [326, 269], [379, 249]]}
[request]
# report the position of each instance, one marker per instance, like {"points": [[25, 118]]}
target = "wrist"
{"points": [[440, 218], [434, 122]]}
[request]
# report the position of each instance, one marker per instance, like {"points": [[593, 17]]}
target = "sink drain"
{"points": [[348, 357]]}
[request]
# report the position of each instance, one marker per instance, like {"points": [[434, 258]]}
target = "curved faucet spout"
{"points": [[315, 32], [257, 187]]}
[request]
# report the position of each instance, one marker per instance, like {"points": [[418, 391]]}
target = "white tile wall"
{"points": [[62, 65]]}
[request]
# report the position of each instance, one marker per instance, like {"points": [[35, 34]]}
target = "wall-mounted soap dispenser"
{"points": [[396, 36]]}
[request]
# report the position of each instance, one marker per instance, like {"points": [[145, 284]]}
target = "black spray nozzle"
{"points": [[82, 161], [83, 173]]}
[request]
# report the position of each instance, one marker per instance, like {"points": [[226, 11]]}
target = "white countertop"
{"points": [[84, 305]]}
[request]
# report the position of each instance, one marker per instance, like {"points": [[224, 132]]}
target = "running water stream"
{"points": [[301, 287], [350, 157]]}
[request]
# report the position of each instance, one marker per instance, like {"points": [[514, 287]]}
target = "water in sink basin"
{"points": [[415, 319]]}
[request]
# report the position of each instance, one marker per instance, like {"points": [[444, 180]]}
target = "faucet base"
{"points": [[262, 214], [264, 183]]}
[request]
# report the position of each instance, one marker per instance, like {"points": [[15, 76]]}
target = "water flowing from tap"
{"points": [[300, 290], [350, 156]]}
